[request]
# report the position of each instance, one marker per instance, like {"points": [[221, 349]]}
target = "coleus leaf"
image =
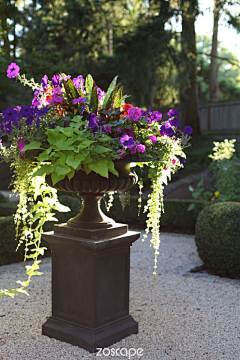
{"points": [[108, 96], [89, 85], [118, 98], [94, 100]]}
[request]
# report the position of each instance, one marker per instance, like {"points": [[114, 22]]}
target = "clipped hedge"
{"points": [[7, 208], [8, 244], [218, 238], [176, 218]]}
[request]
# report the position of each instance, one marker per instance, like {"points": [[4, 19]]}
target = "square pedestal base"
{"points": [[90, 289]]}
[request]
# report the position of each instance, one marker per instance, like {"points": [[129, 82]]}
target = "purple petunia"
{"points": [[181, 160], [25, 111], [79, 100], [42, 112], [187, 130], [127, 141], [135, 113], [119, 130], [10, 114], [44, 82], [66, 77], [174, 122], [12, 70], [163, 130], [107, 128], [156, 116], [92, 121], [169, 132], [172, 113], [56, 80]]}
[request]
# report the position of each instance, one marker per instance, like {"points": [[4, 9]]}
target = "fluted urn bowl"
{"points": [[91, 189]]}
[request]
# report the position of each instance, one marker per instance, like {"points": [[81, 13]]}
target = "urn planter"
{"points": [[90, 266]]}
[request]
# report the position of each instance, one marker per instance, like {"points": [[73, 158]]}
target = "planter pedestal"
{"points": [[90, 289], [90, 267]]}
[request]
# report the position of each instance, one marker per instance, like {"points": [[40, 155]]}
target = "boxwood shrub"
{"points": [[218, 238]]}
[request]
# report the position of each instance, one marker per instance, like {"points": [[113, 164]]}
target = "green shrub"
{"points": [[218, 238], [3, 198], [7, 208], [8, 244]]}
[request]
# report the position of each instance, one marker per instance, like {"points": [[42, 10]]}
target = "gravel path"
{"points": [[181, 315]]}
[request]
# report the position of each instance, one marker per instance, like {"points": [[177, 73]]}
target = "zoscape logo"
{"points": [[123, 352]]}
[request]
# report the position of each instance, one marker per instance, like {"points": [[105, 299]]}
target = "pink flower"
{"points": [[21, 145], [174, 161], [141, 148], [165, 168], [153, 139]]}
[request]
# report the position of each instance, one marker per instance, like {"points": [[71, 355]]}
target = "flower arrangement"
{"points": [[73, 125]]}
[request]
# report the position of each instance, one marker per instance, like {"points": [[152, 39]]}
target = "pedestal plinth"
{"points": [[90, 286]]}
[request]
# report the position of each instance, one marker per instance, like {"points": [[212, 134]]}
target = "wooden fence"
{"points": [[221, 119]]}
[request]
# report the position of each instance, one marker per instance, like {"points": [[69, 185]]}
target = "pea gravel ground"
{"points": [[182, 315]]}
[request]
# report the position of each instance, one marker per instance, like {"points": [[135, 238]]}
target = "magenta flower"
{"points": [[79, 100], [141, 148], [12, 70], [135, 113], [79, 82], [133, 150], [100, 93], [174, 161], [119, 130], [21, 145], [122, 153], [66, 77], [153, 139]]}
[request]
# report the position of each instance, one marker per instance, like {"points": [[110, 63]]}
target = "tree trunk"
{"points": [[213, 85], [188, 92]]}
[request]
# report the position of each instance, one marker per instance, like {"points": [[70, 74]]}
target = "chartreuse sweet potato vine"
{"points": [[73, 125]]}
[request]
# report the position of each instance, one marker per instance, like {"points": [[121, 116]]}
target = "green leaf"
{"points": [[89, 84], [32, 146], [64, 144], [191, 207], [71, 174], [45, 169], [118, 98], [68, 131], [110, 91], [62, 170], [56, 178], [100, 167], [74, 161], [112, 168], [101, 149], [87, 169], [85, 144], [43, 156], [94, 100], [54, 135], [190, 188]]}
